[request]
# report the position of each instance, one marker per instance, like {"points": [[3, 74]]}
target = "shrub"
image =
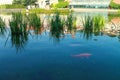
{"points": [[114, 5], [60, 5], [14, 6]]}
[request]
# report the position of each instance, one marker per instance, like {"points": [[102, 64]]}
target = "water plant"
{"points": [[35, 23], [98, 24], [57, 27], [18, 25], [71, 23], [2, 27], [93, 25], [88, 27], [19, 32], [19, 41]]}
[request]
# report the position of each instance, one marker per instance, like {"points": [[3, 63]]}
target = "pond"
{"points": [[60, 53]]}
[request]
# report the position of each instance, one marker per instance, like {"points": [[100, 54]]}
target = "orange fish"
{"points": [[82, 55]]}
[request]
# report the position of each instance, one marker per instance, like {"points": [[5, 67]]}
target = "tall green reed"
{"points": [[93, 25], [2, 27], [57, 27], [19, 32], [35, 22], [71, 23], [18, 25], [98, 24], [88, 26]]}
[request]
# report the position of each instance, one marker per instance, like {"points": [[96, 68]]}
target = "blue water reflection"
{"points": [[41, 59]]}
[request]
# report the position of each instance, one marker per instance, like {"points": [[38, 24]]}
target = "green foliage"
{"points": [[57, 27], [35, 22], [114, 5], [24, 2], [98, 24], [14, 6], [93, 25], [71, 23], [88, 27], [61, 11], [60, 5], [18, 24], [19, 32], [113, 15], [60, 0], [29, 2], [2, 27]]}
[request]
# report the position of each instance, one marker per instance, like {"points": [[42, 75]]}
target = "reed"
{"points": [[71, 23], [88, 27], [18, 25], [98, 24], [35, 23], [19, 41], [19, 32], [57, 27], [2, 27], [93, 25]]}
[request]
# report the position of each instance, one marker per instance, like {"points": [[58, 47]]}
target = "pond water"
{"points": [[42, 57]]}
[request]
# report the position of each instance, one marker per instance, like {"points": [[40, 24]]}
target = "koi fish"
{"points": [[82, 55]]}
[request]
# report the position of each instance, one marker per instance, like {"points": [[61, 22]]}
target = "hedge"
{"points": [[14, 6]]}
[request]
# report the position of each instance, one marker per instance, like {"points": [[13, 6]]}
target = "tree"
{"points": [[24, 2], [18, 1], [29, 2]]}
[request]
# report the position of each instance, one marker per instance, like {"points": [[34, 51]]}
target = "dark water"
{"points": [[42, 58]]}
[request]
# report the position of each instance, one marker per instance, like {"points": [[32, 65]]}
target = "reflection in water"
{"points": [[71, 23], [88, 27], [98, 24], [93, 25], [57, 25], [19, 32], [2, 27], [19, 40], [35, 23]]}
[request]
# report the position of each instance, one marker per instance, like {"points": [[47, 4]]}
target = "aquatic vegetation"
{"points": [[19, 32], [35, 23], [18, 25], [19, 41], [57, 27], [71, 23], [2, 27], [93, 25], [98, 24], [88, 27]]}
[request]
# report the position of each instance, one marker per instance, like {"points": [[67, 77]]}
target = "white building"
{"points": [[89, 3], [2, 2], [45, 3]]}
